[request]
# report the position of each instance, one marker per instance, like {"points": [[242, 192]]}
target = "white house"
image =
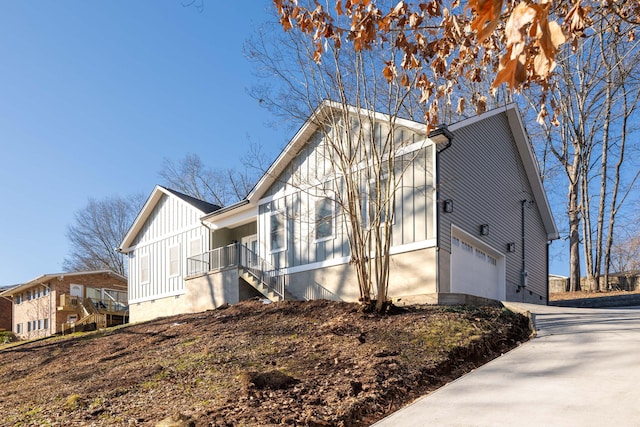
{"points": [[165, 233], [472, 222]]}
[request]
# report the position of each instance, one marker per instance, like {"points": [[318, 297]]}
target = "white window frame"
{"points": [[284, 231], [368, 198], [18, 328], [318, 220], [191, 244], [144, 267], [171, 263]]}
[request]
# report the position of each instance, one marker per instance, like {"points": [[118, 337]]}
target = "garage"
{"points": [[476, 269]]}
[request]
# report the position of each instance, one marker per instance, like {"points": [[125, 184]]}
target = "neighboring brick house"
{"points": [[53, 303], [5, 311]]}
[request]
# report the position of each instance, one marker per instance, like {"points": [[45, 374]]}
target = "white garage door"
{"points": [[476, 271]]}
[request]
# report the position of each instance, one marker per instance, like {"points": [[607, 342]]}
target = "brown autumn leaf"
{"points": [[487, 17], [461, 105], [481, 104], [390, 71], [550, 37], [522, 16]]}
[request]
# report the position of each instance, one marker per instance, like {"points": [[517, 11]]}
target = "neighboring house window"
{"points": [[144, 269], [174, 260], [19, 328], [45, 323], [28, 295], [28, 326], [40, 324], [18, 299], [278, 231], [324, 215]]}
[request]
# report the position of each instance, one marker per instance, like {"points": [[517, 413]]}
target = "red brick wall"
{"points": [[5, 314]]}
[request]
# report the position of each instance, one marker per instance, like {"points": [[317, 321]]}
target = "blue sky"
{"points": [[93, 96]]}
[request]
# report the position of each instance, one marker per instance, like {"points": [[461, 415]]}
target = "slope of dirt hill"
{"points": [[294, 363]]}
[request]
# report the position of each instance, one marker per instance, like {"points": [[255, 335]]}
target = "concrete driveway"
{"points": [[582, 369]]}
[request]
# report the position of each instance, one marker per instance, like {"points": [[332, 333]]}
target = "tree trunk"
{"points": [[574, 237]]}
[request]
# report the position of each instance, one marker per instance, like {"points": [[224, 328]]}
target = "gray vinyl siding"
{"points": [[484, 176], [171, 223], [292, 193]]}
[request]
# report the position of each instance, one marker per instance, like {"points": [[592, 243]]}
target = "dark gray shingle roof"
{"points": [[205, 207]]}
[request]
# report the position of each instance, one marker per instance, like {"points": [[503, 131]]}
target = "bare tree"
{"points": [[191, 176], [97, 230], [625, 253], [597, 94], [362, 148]]}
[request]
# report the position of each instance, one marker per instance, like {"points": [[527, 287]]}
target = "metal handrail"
{"points": [[238, 255], [262, 270]]}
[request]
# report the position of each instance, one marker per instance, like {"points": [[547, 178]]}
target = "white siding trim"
{"points": [[159, 296], [431, 243], [166, 236], [316, 265], [424, 244]]}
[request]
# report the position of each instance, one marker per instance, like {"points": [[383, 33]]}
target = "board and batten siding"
{"points": [[304, 181], [173, 223], [482, 173]]}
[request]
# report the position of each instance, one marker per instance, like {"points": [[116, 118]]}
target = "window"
{"points": [[19, 328], [144, 269], [28, 295], [45, 323], [174, 260], [28, 326], [40, 324], [379, 199], [277, 231], [324, 214], [18, 299], [195, 246]]}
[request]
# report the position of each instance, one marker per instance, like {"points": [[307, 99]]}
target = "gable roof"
{"points": [[529, 160], [155, 197], [46, 277], [311, 125]]}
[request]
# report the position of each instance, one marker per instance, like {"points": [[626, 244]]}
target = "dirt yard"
{"points": [[314, 363], [563, 296]]}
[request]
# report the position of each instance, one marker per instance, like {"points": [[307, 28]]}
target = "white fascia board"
{"points": [[306, 130], [233, 218], [142, 217], [533, 172]]}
